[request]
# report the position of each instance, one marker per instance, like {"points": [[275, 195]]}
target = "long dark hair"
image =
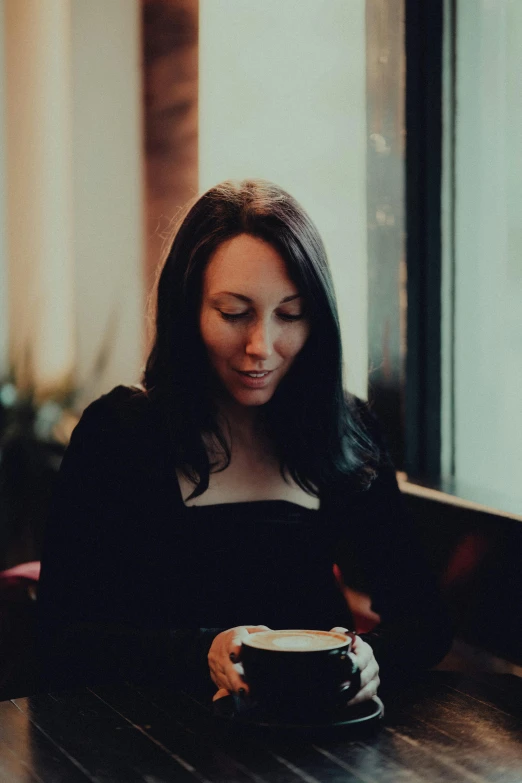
{"points": [[314, 426]]}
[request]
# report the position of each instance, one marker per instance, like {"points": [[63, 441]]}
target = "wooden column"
{"points": [[170, 41]]}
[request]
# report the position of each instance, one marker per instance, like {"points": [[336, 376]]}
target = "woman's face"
{"points": [[252, 318]]}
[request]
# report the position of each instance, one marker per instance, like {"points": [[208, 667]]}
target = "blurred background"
{"points": [[396, 123]]}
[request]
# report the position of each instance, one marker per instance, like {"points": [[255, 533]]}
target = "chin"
{"points": [[253, 398]]}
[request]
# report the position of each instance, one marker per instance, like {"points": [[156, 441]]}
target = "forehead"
{"points": [[246, 262]]}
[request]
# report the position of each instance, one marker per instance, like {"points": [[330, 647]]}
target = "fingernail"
{"points": [[232, 656]]}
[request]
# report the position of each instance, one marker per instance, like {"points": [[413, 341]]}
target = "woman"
{"points": [[219, 495]]}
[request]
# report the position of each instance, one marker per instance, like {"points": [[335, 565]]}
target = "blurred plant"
{"points": [[35, 428], [23, 413]]}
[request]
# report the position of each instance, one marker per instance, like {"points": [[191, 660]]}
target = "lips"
{"points": [[254, 373], [256, 380]]}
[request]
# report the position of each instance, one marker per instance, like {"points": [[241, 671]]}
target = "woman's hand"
{"points": [[368, 667], [224, 658]]}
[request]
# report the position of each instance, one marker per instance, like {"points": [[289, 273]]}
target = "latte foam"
{"points": [[296, 640]]}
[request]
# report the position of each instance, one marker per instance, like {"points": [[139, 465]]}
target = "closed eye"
{"points": [[239, 316], [232, 316], [289, 317]]}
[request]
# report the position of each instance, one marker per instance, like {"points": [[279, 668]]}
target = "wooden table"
{"points": [[451, 727]]}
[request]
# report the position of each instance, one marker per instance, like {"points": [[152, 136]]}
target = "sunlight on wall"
{"points": [[108, 188], [74, 192], [4, 301], [282, 97], [39, 189]]}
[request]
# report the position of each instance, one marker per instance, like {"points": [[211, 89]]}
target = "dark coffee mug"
{"points": [[291, 671]]}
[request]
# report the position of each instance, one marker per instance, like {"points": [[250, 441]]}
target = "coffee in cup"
{"points": [[291, 671]]}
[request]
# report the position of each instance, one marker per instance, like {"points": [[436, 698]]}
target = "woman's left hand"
{"points": [[368, 667]]}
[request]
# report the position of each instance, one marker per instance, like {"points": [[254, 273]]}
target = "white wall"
{"points": [[74, 216], [4, 302], [39, 190], [283, 96], [108, 186]]}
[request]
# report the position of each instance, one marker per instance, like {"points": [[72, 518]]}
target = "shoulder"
{"points": [[122, 416], [122, 401]]}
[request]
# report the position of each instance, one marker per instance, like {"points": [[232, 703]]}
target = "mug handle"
{"points": [[349, 690]]}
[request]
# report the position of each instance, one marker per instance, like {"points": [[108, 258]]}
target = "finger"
{"points": [[219, 676], [234, 678], [220, 694], [222, 657], [228, 679], [363, 653], [243, 632], [369, 673], [366, 693], [223, 672], [214, 667], [240, 634]]}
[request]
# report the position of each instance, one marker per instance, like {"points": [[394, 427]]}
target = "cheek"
{"points": [[208, 334], [216, 337], [295, 342]]}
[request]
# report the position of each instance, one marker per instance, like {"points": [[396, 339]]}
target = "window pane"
{"points": [[487, 370]]}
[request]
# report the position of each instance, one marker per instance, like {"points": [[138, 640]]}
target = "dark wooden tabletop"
{"points": [[451, 727]]}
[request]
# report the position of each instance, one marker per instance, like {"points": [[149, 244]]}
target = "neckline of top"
{"points": [[254, 503]]}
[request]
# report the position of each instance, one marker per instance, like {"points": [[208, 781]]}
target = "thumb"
{"points": [[220, 694]]}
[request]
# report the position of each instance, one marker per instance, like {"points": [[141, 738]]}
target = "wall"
{"points": [[283, 97], [74, 207], [108, 187], [4, 304]]}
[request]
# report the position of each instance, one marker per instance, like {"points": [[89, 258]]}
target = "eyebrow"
{"points": [[247, 299]]}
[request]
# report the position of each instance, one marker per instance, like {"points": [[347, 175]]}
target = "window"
{"points": [[482, 258], [464, 369]]}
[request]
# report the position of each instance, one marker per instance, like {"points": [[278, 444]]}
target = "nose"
{"points": [[260, 341]]}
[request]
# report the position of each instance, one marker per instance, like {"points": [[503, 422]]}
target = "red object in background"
{"points": [[18, 670], [466, 557], [360, 605], [18, 578]]}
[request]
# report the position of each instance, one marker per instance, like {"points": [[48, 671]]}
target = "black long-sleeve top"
{"points": [[135, 585]]}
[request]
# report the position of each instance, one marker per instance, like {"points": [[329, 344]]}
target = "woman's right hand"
{"points": [[224, 659]]}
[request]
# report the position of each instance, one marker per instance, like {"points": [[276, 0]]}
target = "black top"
{"points": [[266, 562], [135, 584]]}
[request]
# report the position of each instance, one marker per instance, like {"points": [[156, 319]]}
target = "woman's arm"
{"points": [[381, 544], [90, 629]]}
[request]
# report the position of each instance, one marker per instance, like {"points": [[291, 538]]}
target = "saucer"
{"points": [[362, 715]]}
